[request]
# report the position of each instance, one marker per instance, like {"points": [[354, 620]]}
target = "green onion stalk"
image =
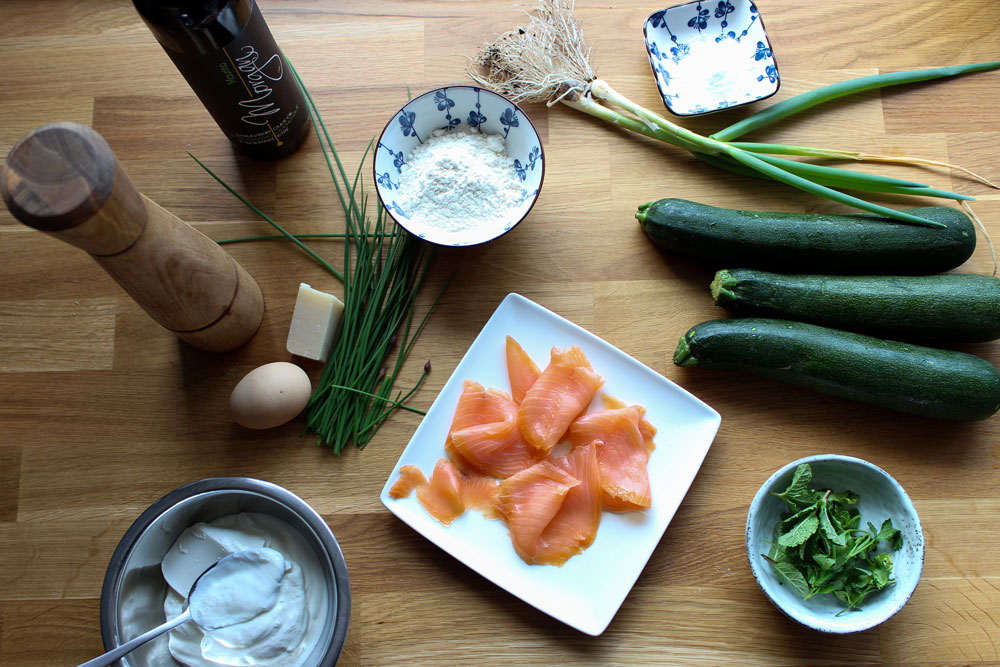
{"points": [[384, 269], [548, 61]]}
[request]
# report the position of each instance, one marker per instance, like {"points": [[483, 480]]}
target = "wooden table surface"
{"points": [[102, 411]]}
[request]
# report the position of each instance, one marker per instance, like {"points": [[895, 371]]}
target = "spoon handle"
{"points": [[132, 644]]}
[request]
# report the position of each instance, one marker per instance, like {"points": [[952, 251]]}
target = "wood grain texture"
{"points": [[102, 411], [63, 179]]}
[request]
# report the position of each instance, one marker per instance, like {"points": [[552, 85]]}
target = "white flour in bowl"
{"points": [[457, 182], [716, 72]]}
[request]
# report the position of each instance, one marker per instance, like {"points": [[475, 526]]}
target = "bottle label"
{"points": [[248, 88]]}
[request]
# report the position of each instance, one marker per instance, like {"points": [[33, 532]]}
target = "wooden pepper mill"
{"points": [[64, 180]]}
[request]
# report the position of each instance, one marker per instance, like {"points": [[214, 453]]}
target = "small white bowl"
{"points": [[468, 109], [708, 56], [881, 497]]}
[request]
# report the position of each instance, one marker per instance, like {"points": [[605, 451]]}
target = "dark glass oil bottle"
{"points": [[227, 54]]}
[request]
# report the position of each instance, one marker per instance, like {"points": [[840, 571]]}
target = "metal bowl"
{"points": [[134, 589]]}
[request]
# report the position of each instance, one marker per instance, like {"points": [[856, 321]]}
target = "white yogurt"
{"points": [[283, 582], [241, 587]]}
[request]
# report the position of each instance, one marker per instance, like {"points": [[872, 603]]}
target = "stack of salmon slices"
{"points": [[536, 459]]}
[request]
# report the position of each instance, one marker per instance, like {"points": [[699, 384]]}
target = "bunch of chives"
{"points": [[382, 275], [384, 269]]}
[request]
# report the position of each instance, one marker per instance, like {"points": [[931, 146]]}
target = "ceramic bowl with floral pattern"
{"points": [[708, 56], [455, 110]]}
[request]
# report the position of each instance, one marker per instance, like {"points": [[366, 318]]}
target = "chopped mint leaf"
{"points": [[819, 548], [798, 494], [824, 562], [844, 497], [827, 525], [881, 570], [790, 574], [890, 534]]}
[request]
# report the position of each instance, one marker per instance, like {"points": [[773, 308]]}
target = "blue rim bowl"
{"points": [[881, 497], [459, 108]]}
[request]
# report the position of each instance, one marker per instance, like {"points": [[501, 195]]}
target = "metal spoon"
{"points": [[200, 604]]}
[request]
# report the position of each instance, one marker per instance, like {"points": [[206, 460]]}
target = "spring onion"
{"points": [[549, 61], [833, 91]]}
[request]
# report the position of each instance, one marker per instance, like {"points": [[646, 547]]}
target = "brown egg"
{"points": [[270, 395]]}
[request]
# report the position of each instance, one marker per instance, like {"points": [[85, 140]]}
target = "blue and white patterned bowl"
{"points": [[460, 108], [708, 56]]}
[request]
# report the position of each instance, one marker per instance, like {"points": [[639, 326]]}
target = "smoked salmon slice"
{"points": [[449, 492], [574, 527], [442, 495], [553, 508], [647, 429], [529, 501], [484, 436], [622, 455], [562, 391], [409, 478], [468, 413], [521, 370]]}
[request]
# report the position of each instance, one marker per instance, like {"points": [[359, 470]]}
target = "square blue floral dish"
{"points": [[495, 200], [708, 56]]}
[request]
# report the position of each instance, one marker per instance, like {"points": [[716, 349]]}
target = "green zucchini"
{"points": [[950, 307], [810, 242], [931, 382]]}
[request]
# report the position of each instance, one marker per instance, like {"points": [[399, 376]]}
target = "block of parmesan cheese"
{"points": [[314, 323]]}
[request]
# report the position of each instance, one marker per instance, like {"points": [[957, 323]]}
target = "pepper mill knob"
{"points": [[64, 180]]}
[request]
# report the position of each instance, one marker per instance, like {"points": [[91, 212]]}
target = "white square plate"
{"points": [[587, 591]]}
